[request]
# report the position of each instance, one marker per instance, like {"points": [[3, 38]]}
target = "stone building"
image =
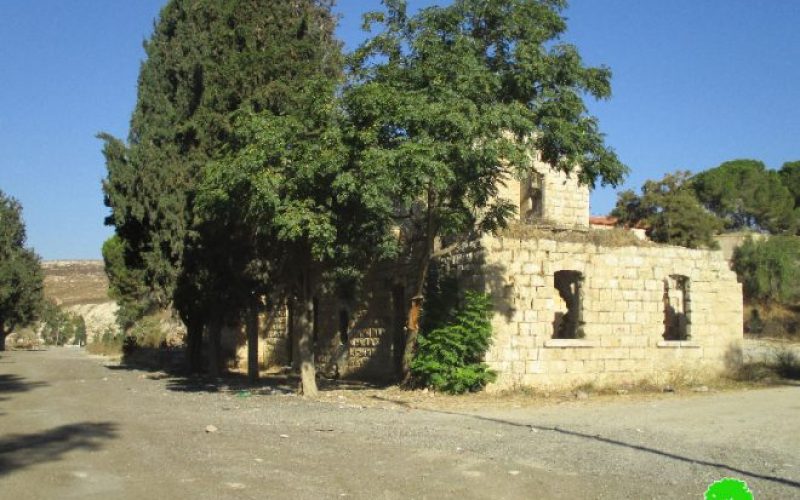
{"points": [[572, 304]]}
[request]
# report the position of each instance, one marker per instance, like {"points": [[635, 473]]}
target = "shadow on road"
{"points": [[18, 451], [14, 383], [268, 384], [615, 442]]}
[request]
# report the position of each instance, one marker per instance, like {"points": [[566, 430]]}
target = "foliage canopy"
{"points": [[747, 195], [670, 212], [206, 60], [790, 175], [769, 269], [21, 277], [452, 100], [450, 355]]}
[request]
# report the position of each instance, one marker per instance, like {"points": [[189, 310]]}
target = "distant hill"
{"points": [[81, 286]]}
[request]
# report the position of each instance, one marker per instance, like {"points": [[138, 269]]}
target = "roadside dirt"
{"points": [[72, 427]]}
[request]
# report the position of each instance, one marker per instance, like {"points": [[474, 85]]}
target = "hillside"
{"points": [[81, 286]]}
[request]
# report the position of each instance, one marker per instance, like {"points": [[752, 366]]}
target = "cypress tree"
{"points": [[207, 60]]}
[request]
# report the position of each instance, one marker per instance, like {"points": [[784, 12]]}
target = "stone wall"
{"points": [[624, 310], [549, 197], [275, 348], [360, 336]]}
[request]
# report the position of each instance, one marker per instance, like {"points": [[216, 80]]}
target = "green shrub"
{"points": [[147, 332], [770, 269], [450, 358], [787, 364], [108, 344], [59, 326]]}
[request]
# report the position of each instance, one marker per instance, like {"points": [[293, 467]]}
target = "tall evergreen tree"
{"points": [[21, 277], [445, 100], [206, 60], [747, 195]]}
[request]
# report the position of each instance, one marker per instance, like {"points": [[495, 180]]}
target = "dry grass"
{"points": [[75, 282], [772, 321], [615, 237], [105, 348]]}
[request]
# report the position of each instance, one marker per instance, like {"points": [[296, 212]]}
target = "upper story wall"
{"points": [[549, 197]]}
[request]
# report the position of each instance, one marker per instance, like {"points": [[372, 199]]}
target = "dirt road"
{"points": [[71, 427]]}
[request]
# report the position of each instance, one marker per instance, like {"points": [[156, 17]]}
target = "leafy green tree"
{"points": [[206, 60], [308, 208], [57, 324], [790, 175], [769, 269], [670, 212], [449, 101], [21, 277], [746, 195]]}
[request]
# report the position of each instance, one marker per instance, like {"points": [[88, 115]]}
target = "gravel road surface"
{"points": [[72, 427]]}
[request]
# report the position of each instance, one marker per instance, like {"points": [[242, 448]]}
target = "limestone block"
{"points": [[631, 317], [616, 352], [575, 366], [555, 366], [534, 367]]}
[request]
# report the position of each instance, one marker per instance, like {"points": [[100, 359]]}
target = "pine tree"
{"points": [[747, 195]]}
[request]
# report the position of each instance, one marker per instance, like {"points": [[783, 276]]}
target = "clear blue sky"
{"points": [[696, 82]]}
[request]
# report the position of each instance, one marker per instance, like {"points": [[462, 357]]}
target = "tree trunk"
{"points": [[252, 342], [415, 306], [3, 335], [214, 334], [194, 346], [305, 330]]}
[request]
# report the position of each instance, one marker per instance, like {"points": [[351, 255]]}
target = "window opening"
{"points": [[676, 308], [568, 322], [532, 198]]}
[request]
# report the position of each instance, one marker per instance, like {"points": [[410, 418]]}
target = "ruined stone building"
{"points": [[572, 304]]}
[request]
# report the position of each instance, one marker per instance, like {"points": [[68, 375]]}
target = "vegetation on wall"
{"points": [[451, 349]]}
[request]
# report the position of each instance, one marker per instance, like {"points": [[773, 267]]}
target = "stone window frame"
{"points": [[678, 344]]}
